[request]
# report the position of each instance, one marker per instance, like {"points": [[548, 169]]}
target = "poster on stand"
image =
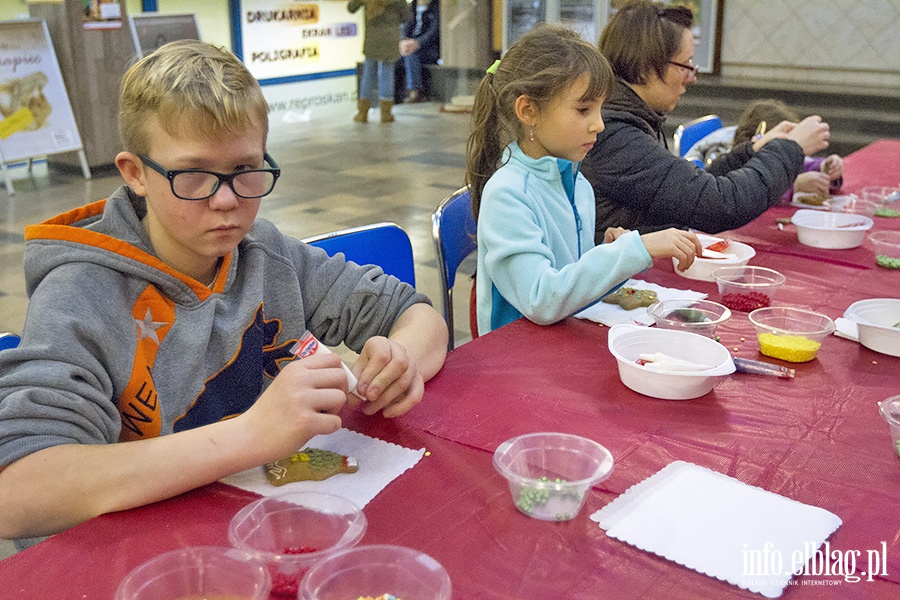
{"points": [[284, 40], [35, 114]]}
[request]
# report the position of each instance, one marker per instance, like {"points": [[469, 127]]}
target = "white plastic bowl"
{"points": [[830, 230], [738, 255], [875, 320], [628, 342]]}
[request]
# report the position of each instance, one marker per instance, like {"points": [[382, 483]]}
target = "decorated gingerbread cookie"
{"points": [[631, 298], [310, 464]]}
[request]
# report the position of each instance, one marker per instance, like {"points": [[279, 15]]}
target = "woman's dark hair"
{"points": [[771, 111], [642, 37], [540, 65]]}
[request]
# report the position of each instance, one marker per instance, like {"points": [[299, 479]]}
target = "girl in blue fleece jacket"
{"points": [[536, 115]]}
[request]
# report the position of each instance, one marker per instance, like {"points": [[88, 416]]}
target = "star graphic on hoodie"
{"points": [[147, 327]]}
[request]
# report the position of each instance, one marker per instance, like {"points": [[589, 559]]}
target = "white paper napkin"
{"points": [[846, 328], [379, 463], [718, 526], [613, 314]]}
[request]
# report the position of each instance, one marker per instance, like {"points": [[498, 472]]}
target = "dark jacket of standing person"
{"points": [[639, 184], [428, 35]]}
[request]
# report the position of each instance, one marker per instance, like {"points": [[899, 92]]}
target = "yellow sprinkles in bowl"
{"points": [[792, 348]]}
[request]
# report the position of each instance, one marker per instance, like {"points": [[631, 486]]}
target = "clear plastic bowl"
{"points": [[830, 230], [747, 288], [858, 206], [886, 245], [890, 410], [790, 334], [877, 324], [293, 531], [696, 316], [881, 194], [197, 572], [549, 473], [376, 570]]}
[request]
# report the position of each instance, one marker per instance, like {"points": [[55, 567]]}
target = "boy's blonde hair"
{"points": [[540, 65], [194, 83]]}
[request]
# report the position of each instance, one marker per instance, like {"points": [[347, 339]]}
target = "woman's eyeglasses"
{"points": [[691, 69]]}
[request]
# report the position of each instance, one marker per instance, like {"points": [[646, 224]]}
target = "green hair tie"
{"points": [[493, 68]]}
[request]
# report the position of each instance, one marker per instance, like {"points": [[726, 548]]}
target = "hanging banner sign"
{"points": [[284, 39], [35, 115]]}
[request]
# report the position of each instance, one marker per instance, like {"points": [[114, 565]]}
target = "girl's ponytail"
{"points": [[484, 148]]}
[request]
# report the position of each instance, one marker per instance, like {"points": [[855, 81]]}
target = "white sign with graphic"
{"points": [[35, 114], [286, 39]]}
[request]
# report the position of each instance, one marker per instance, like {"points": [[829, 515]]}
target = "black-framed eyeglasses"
{"points": [[198, 184], [691, 68]]}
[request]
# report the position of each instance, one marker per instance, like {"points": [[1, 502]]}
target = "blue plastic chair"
{"points": [[9, 340], [453, 229], [383, 244], [690, 133]]}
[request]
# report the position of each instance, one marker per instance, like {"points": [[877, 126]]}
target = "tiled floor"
{"points": [[335, 174]]}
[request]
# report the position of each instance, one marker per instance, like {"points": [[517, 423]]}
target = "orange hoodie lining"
{"points": [[60, 228]]}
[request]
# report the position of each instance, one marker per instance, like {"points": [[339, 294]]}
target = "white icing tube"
{"points": [[664, 362], [308, 345]]}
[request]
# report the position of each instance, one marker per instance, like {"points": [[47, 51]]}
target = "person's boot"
{"points": [[362, 110], [413, 96], [386, 116]]}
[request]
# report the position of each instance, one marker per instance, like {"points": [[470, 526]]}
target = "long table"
{"points": [[817, 439]]}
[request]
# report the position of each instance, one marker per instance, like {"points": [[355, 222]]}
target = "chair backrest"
{"points": [[9, 340], [690, 133], [453, 229], [382, 244]]}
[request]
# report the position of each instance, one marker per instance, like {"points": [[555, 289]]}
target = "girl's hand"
{"points": [[389, 379], [301, 402], [613, 233], [679, 244], [834, 166], [812, 182], [779, 131]]}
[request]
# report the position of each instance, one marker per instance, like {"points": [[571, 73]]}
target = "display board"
{"points": [[152, 30], [283, 41], [37, 118]]}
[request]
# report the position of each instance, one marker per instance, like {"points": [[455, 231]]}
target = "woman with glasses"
{"points": [[638, 183]]}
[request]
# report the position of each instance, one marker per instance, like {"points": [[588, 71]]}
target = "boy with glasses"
{"points": [[156, 354]]}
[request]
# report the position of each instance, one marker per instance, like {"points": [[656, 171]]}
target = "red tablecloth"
{"points": [[876, 164], [817, 439]]}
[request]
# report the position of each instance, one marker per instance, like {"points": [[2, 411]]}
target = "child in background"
{"points": [[381, 46], [821, 176], [421, 45], [156, 353], [536, 115]]}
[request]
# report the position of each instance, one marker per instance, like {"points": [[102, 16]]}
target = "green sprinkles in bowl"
{"points": [[883, 260], [887, 212]]}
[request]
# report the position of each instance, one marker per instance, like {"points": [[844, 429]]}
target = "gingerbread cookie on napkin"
{"points": [[310, 464], [631, 298]]}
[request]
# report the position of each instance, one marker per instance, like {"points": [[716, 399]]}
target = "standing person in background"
{"points": [[821, 176], [536, 114], [381, 48], [421, 45], [638, 182]]}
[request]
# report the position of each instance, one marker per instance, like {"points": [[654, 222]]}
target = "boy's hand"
{"points": [[301, 402], [812, 182], [681, 245], [389, 379]]}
